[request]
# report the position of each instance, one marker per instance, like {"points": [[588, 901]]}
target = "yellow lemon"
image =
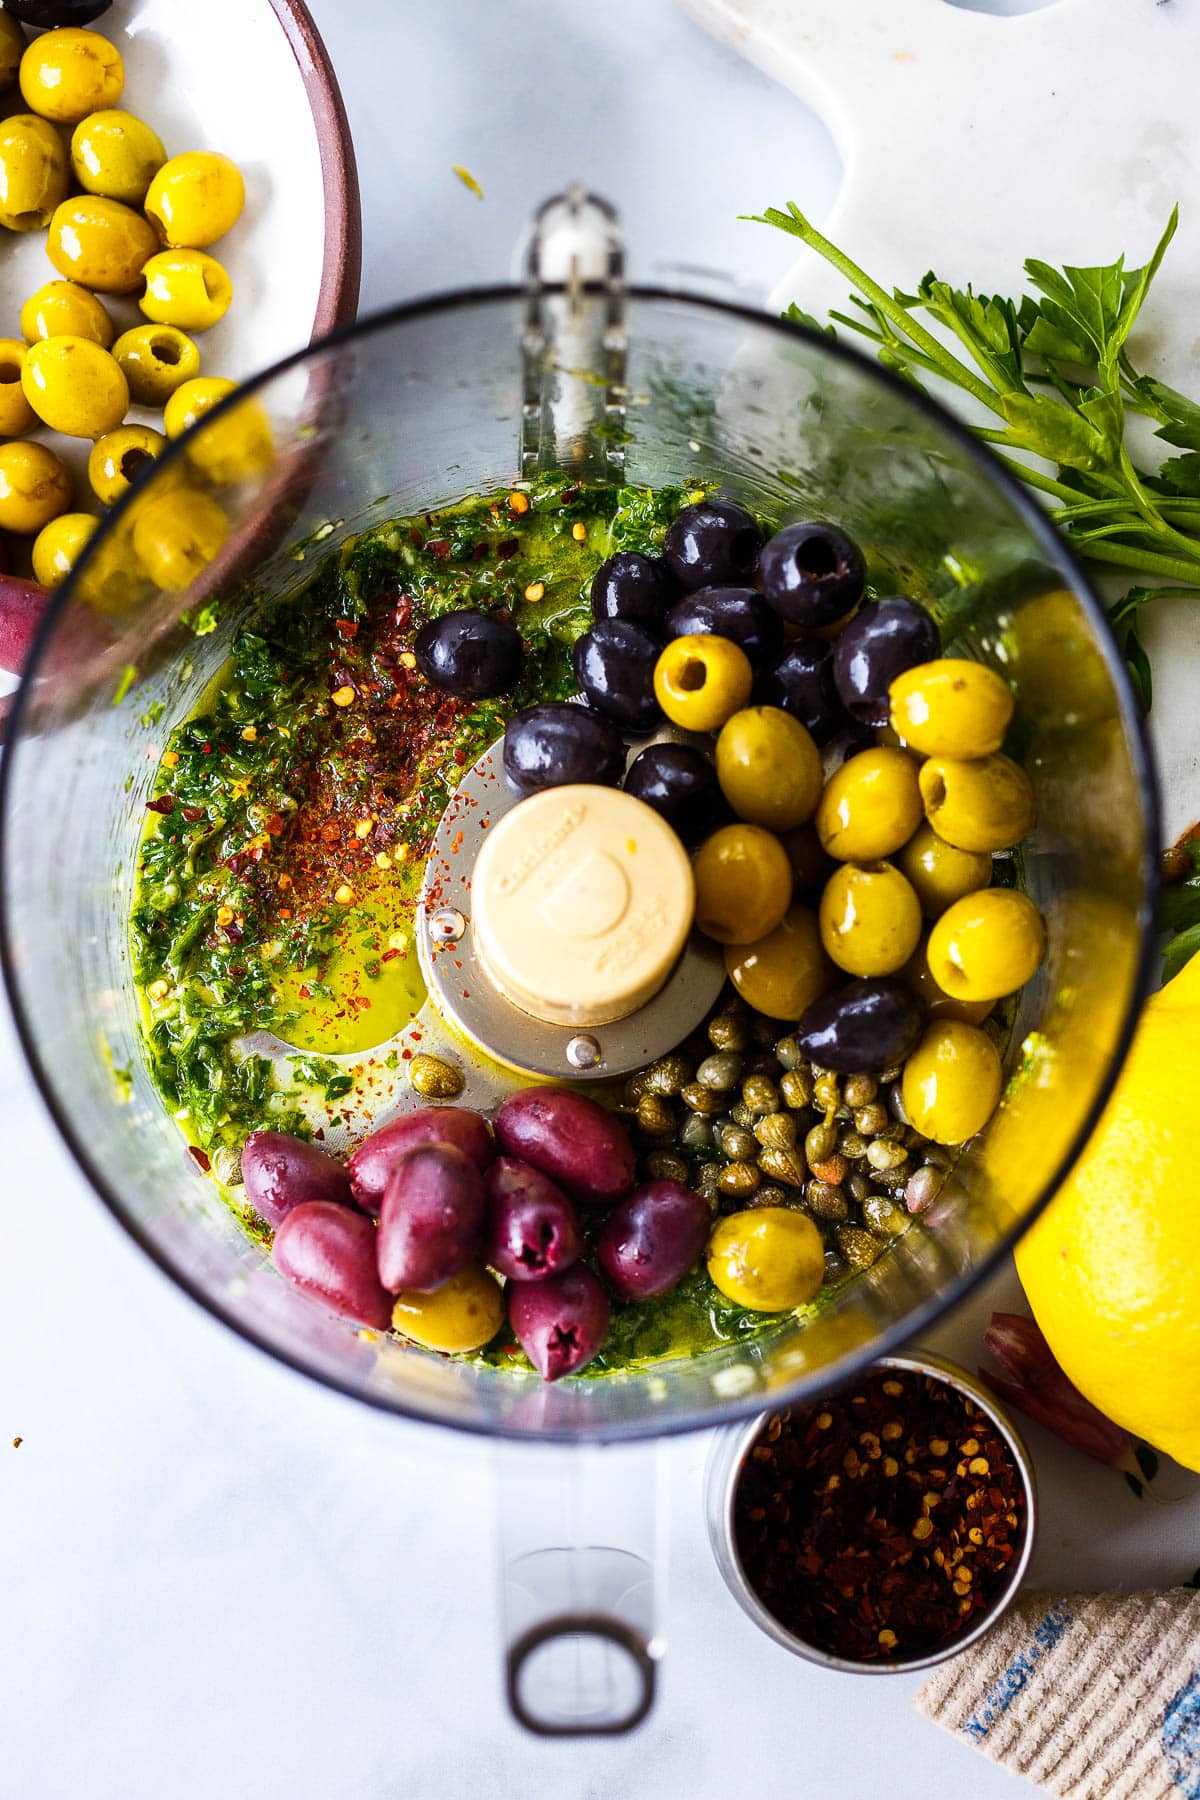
{"points": [[1111, 1268]]}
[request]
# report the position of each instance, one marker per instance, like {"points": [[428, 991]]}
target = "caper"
{"points": [[859, 1090], [227, 1165], [696, 1133], [729, 1031], [760, 1094], [922, 1188], [826, 1093], [892, 1178], [857, 1246], [702, 1100], [740, 1114], [635, 1087], [890, 1075], [886, 1153], [782, 1165], [664, 1165], [705, 1180], [777, 1131], [896, 1104], [720, 1071], [937, 1156], [738, 1144], [835, 1268], [436, 1079], [738, 1179], [857, 1186], [656, 1116], [820, 1143], [871, 1119], [797, 1088], [669, 1075], [883, 1216], [851, 1144], [788, 1053], [826, 1201], [769, 1194]]}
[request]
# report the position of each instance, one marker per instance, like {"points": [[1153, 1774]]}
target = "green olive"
{"points": [[743, 883], [986, 804], [768, 1259], [63, 309], [176, 534], [35, 486], [940, 873], [951, 707], [987, 945], [195, 199], [113, 153], [783, 973], [951, 1082], [69, 73], [700, 680], [100, 243], [769, 768], [157, 359], [870, 918], [118, 458], [465, 1313], [12, 49], [871, 805], [75, 386], [938, 1003], [34, 174]]}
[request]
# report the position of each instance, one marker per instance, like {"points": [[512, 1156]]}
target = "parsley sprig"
{"points": [[1056, 381]]}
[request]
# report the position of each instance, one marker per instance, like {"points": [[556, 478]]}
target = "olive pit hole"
{"points": [[816, 557], [133, 461], [166, 350], [935, 792], [693, 675], [10, 373], [745, 547], [30, 221]]}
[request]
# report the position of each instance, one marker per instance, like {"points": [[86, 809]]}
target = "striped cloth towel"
{"points": [[1090, 1696]]}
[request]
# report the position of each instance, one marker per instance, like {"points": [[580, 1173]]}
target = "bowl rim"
{"points": [[341, 271], [900, 1333]]}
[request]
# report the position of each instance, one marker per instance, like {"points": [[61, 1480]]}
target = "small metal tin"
{"points": [[723, 1474]]}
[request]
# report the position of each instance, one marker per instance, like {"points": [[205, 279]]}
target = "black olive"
{"points": [[812, 574], [681, 784], [865, 1025], [738, 613], [555, 744], [634, 587], [802, 683], [711, 543], [614, 666], [471, 654], [878, 644], [56, 12]]}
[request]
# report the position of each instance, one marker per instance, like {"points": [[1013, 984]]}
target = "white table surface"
{"points": [[218, 1580]]}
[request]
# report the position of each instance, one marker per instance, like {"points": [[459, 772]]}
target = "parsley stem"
{"points": [[949, 365]]}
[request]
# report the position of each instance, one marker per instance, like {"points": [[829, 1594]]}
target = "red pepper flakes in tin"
{"points": [[877, 1525]]}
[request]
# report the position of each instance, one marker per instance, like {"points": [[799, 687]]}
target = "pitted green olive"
{"points": [[940, 873], [951, 707], [870, 918], [986, 804], [768, 1259], [951, 1082], [871, 805], [987, 945]]}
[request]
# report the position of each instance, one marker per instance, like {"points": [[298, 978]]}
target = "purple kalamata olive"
{"points": [[431, 1220], [879, 643], [376, 1157], [560, 1323], [532, 1230], [329, 1251], [281, 1172], [812, 573], [571, 1139], [651, 1239], [863, 1025]]}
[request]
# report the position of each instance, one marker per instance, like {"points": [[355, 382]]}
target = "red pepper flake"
{"points": [[193, 814], [199, 1158], [508, 548], [460, 757], [859, 1562], [273, 826], [165, 804], [207, 749], [440, 547], [479, 551], [569, 493], [418, 540], [347, 628]]}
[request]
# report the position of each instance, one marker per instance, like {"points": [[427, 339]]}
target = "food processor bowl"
{"points": [[462, 394]]}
